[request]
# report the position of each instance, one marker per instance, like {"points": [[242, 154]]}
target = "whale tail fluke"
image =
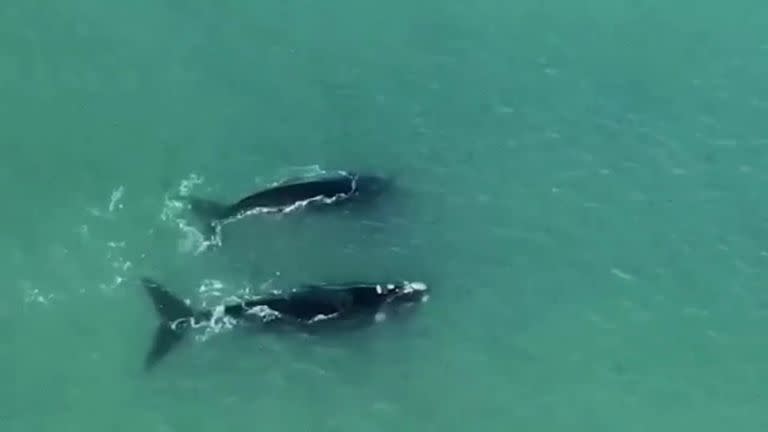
{"points": [[208, 212], [170, 309]]}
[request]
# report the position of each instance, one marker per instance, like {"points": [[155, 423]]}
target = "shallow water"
{"points": [[580, 184]]}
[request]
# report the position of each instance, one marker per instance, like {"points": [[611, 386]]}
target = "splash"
{"points": [[173, 207], [264, 312], [219, 321], [189, 183], [91, 234], [114, 203], [114, 199], [33, 295], [191, 241], [210, 288], [118, 263]]}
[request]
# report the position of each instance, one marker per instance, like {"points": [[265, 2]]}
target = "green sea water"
{"points": [[582, 184]]}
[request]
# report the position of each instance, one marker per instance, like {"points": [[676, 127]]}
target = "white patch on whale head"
{"points": [[379, 290], [415, 286]]}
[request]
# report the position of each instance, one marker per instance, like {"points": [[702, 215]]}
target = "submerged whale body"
{"points": [[314, 306], [340, 187]]}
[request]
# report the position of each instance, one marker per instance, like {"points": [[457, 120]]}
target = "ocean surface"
{"points": [[582, 185]]}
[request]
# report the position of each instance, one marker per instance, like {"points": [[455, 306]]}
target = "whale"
{"points": [[330, 190], [311, 307]]}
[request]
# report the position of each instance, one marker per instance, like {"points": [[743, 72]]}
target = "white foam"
{"points": [[416, 286], [298, 205], [34, 295], [622, 274], [186, 186], [114, 200], [192, 240], [210, 285], [219, 322], [321, 317], [264, 312]]}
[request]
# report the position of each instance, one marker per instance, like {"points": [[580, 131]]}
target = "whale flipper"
{"points": [[170, 309]]}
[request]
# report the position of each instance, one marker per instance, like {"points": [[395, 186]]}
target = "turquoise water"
{"points": [[582, 185]]}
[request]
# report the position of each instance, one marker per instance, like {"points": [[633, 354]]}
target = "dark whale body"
{"points": [[313, 307], [338, 188]]}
